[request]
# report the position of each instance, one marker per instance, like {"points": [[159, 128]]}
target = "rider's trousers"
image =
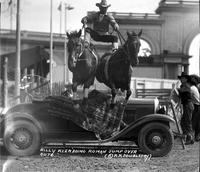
{"points": [[89, 33]]}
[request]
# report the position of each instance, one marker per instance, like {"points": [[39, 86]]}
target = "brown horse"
{"points": [[115, 70], [82, 62]]}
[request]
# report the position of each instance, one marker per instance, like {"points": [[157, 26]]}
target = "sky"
{"points": [[35, 14], [194, 52]]}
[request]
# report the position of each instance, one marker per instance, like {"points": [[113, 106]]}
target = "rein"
{"points": [[120, 37], [127, 53]]}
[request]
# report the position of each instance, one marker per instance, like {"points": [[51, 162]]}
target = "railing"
{"points": [[132, 15], [172, 2], [150, 83], [163, 93], [31, 34]]}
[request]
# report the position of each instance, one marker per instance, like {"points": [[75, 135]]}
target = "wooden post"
{"points": [[5, 82], [25, 80], [18, 53], [32, 79], [51, 47]]}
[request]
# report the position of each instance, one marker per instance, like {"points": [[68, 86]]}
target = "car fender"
{"points": [[152, 118], [22, 115], [142, 121], [26, 107]]}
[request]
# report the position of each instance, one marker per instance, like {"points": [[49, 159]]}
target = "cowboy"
{"points": [[188, 107], [100, 26]]}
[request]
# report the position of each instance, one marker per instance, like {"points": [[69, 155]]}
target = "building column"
{"points": [[186, 69], [179, 69], [166, 72]]}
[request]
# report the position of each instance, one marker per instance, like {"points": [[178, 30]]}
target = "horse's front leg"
{"points": [[86, 90], [128, 94], [74, 89], [85, 96], [114, 93]]}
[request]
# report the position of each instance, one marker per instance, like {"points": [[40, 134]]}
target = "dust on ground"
{"points": [[178, 160]]}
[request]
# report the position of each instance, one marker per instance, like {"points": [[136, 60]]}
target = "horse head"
{"points": [[74, 47], [133, 46]]}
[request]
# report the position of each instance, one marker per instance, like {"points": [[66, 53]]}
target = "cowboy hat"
{"points": [[183, 74], [194, 79], [103, 3]]}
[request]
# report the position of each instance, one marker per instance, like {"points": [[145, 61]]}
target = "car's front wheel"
{"points": [[156, 139], [21, 137]]}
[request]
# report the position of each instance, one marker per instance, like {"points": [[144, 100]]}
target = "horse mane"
{"points": [[133, 33], [73, 34]]}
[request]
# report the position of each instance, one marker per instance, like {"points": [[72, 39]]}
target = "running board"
{"points": [[93, 143]]}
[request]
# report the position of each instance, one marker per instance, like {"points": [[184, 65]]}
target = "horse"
{"points": [[115, 70], [82, 62]]}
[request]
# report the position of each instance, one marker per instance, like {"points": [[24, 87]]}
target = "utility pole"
{"points": [[0, 15], [65, 51], [0, 45], [51, 48], [18, 55], [66, 71], [60, 10], [11, 14]]}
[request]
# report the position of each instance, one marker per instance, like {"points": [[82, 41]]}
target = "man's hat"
{"points": [[103, 3], [183, 74], [194, 79]]}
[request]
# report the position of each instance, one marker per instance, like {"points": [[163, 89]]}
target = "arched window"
{"points": [[145, 49], [194, 52]]}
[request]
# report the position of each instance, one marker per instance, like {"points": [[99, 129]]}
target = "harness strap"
{"points": [[97, 60], [106, 68], [120, 37]]}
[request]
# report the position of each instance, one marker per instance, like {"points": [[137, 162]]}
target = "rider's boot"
{"points": [[114, 46]]}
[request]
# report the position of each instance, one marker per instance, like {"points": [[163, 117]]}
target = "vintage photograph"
{"points": [[99, 85]]}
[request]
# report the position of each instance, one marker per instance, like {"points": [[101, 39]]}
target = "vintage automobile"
{"points": [[24, 128]]}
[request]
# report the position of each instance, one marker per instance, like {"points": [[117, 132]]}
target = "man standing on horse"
{"points": [[100, 22]]}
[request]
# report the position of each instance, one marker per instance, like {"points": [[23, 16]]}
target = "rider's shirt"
{"points": [[100, 22]]}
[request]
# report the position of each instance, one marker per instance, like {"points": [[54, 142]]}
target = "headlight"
{"points": [[156, 105], [3, 111], [161, 109]]}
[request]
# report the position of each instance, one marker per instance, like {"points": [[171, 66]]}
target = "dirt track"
{"points": [[178, 160]]}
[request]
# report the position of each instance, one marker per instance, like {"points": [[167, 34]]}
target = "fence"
{"points": [[150, 87], [31, 86]]}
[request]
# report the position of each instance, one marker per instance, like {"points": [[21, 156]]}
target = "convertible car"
{"points": [[24, 128]]}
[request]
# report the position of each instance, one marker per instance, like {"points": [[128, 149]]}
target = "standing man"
{"points": [[188, 107], [100, 22], [196, 103]]}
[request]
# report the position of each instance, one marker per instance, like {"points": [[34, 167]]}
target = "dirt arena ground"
{"points": [[178, 160]]}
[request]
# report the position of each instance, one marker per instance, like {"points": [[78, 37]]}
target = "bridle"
{"points": [[125, 47], [77, 48]]}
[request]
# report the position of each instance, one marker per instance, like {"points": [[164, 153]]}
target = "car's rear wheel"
{"points": [[156, 139], [21, 137]]}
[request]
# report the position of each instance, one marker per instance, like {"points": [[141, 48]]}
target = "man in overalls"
{"points": [[188, 107], [100, 22]]}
